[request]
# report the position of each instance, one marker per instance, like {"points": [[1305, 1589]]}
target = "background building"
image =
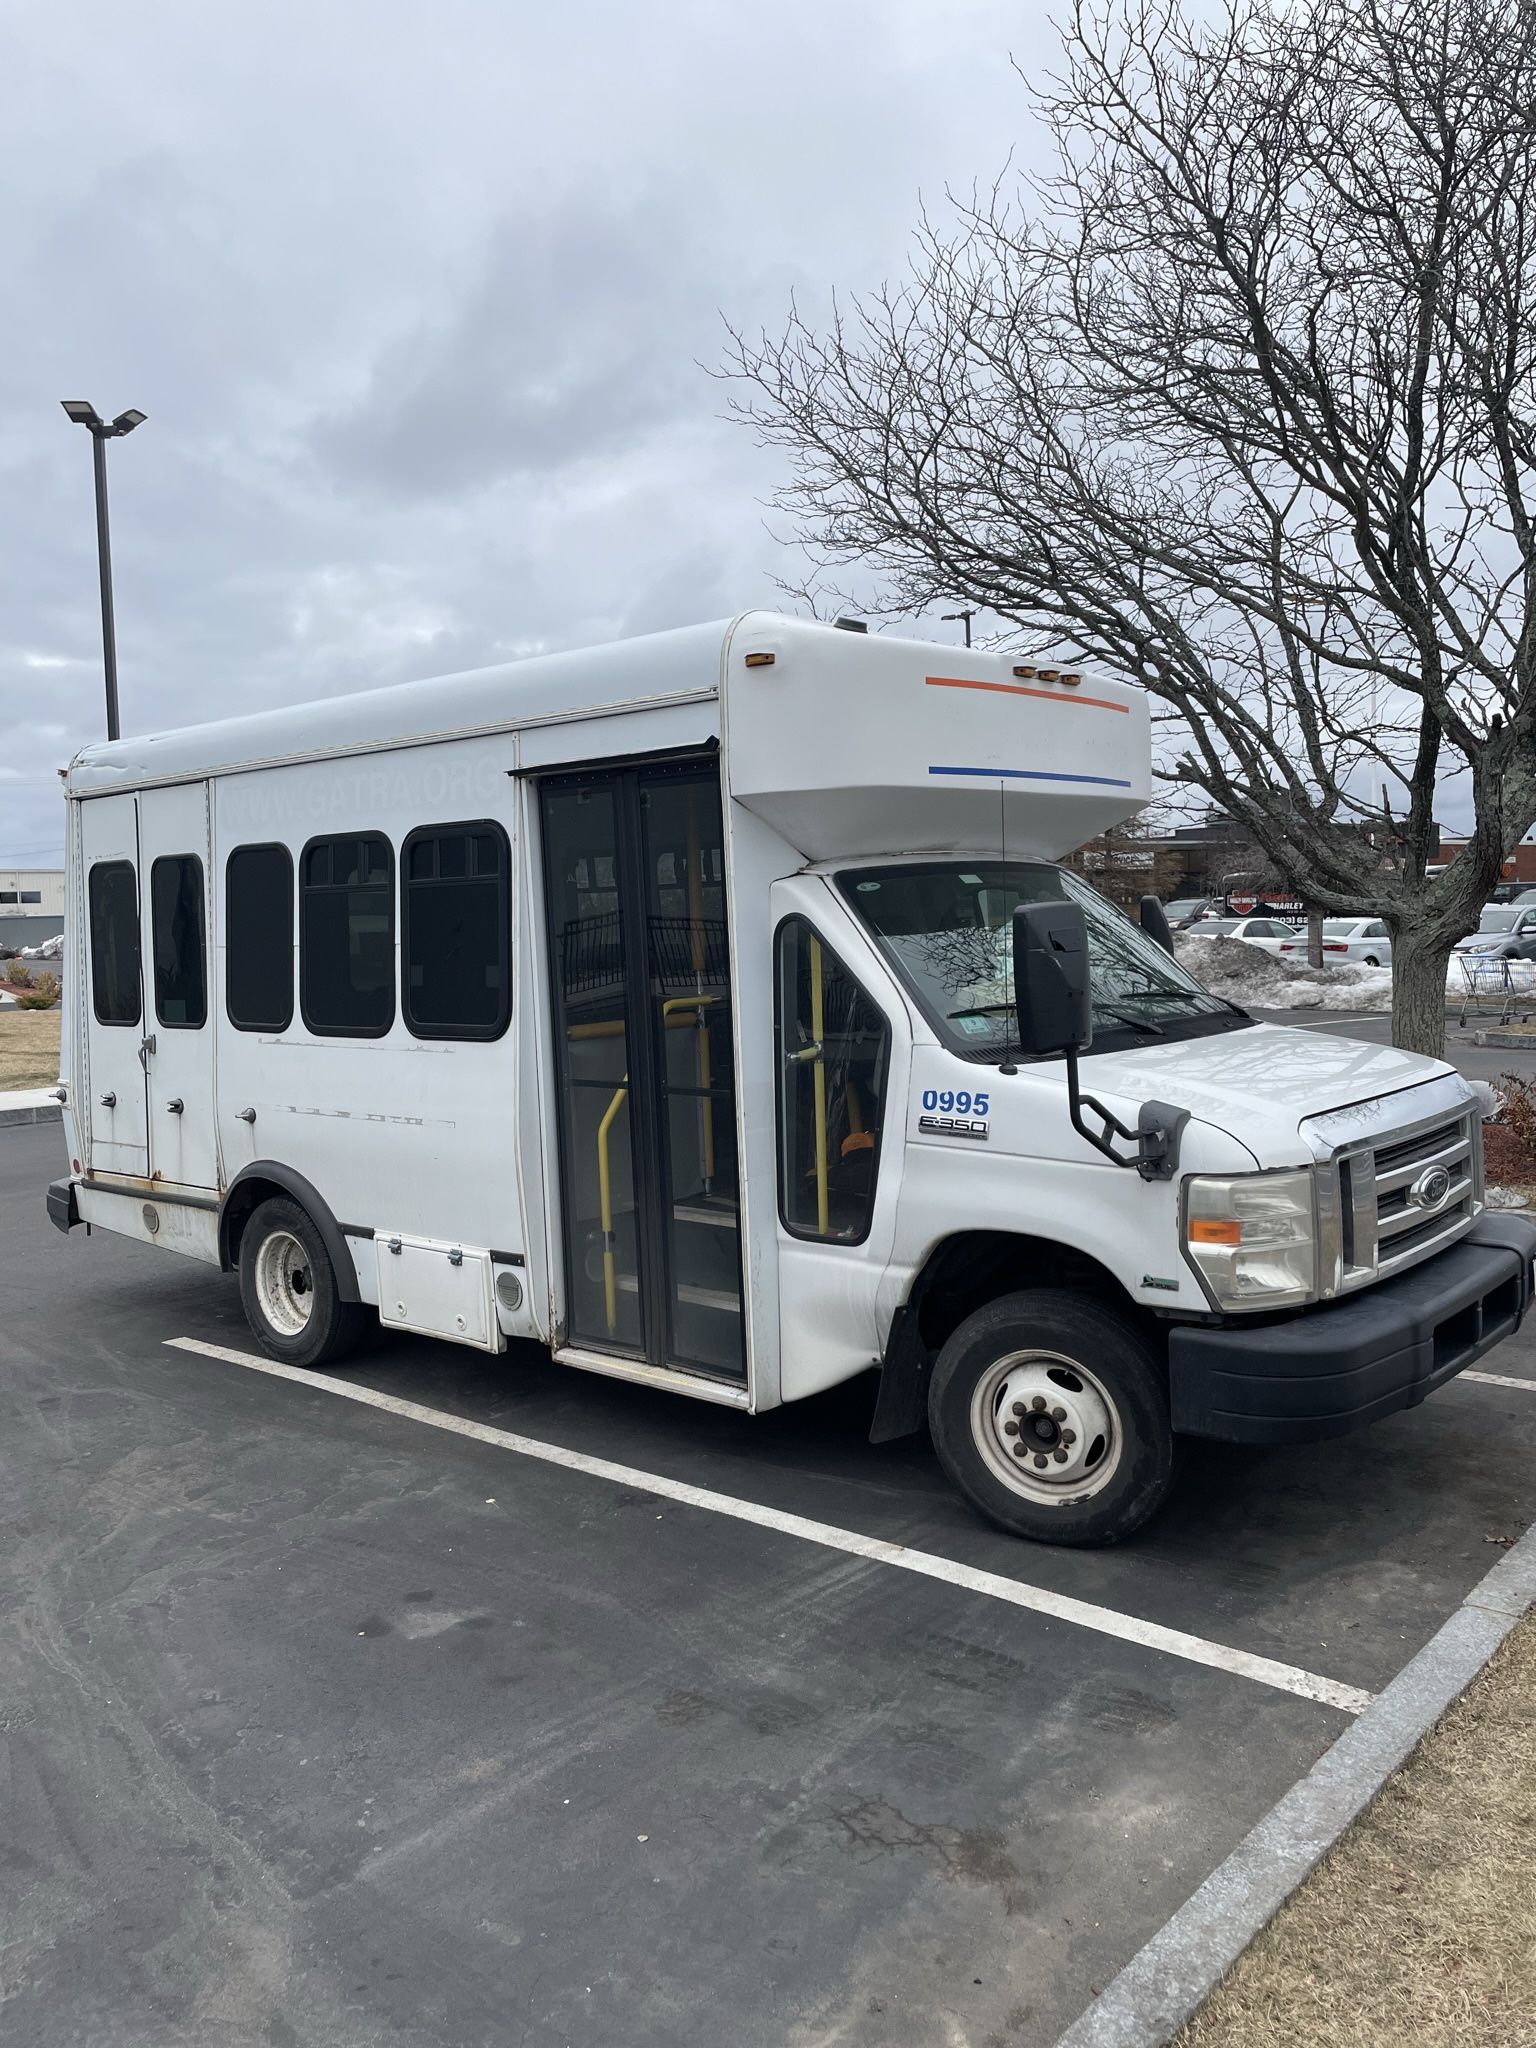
{"points": [[31, 905]]}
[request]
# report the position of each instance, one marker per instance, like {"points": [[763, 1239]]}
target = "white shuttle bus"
{"points": [[709, 1008]]}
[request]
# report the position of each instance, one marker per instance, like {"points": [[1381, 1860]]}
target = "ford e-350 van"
{"points": [[710, 1009]]}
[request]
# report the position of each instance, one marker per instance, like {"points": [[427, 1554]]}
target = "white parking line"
{"points": [[1151, 1635], [1498, 1379]]}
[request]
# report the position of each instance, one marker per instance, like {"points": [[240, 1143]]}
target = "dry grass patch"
{"points": [[29, 1048], [1420, 1927]]}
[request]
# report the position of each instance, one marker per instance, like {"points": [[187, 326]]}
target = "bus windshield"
{"points": [[947, 929]]}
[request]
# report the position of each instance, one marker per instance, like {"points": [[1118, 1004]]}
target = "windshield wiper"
{"points": [[1133, 1023], [1179, 995], [981, 1010]]}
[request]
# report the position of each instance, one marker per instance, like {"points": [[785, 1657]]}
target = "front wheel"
{"points": [[288, 1288], [1050, 1413]]}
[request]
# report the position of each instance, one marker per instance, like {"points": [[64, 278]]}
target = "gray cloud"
{"points": [[414, 301]]}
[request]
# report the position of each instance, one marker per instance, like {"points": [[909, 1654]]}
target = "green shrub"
{"points": [[19, 974], [35, 1002]]}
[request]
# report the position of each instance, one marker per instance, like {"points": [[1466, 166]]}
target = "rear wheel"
{"points": [[1050, 1413], [1371, 960], [288, 1288]]}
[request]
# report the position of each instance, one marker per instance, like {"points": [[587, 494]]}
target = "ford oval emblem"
{"points": [[1431, 1188]]}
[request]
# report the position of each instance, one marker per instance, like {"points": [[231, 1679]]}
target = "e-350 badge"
{"points": [[954, 1113]]}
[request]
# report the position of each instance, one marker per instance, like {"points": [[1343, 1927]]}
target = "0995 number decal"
{"points": [[960, 1100]]}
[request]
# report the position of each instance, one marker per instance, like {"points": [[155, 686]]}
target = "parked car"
{"points": [[1359, 941], [1505, 931], [1267, 933], [1190, 910]]}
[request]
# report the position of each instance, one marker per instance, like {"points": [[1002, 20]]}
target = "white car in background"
{"points": [[1349, 941], [1267, 933]]}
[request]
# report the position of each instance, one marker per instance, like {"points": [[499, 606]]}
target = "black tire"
{"points": [[1082, 1497], [272, 1281], [1371, 960]]}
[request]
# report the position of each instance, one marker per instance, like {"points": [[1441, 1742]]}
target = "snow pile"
{"points": [[1257, 980], [1490, 1100]]}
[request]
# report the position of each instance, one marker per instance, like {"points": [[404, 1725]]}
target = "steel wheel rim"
{"points": [[1047, 1397], [285, 1287]]}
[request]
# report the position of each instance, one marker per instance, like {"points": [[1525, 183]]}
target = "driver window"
{"points": [[834, 1057]]}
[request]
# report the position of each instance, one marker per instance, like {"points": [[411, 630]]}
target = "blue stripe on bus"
{"points": [[1034, 775]]}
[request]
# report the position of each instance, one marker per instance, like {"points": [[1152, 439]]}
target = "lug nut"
{"points": [[1010, 1429], [1041, 1461], [1017, 1408], [1069, 1436], [1038, 1404], [1021, 1450], [1060, 1457], [1058, 1414]]}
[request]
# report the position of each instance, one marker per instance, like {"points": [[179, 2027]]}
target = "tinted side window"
{"points": [[347, 936], [455, 921], [113, 898], [258, 938], [176, 925], [834, 1048]]}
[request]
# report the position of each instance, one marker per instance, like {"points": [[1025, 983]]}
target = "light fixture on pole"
{"points": [[84, 414]]}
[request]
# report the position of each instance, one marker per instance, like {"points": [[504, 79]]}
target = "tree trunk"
{"points": [[1314, 936], [1418, 992]]}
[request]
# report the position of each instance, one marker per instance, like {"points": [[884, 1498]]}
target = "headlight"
{"points": [[1252, 1238]]}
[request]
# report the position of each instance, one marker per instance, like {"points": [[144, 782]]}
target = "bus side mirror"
{"points": [[1050, 978], [1154, 922]]}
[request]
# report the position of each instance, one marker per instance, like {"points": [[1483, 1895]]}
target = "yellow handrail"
{"points": [[696, 921], [605, 1208], [604, 1176], [819, 1071]]}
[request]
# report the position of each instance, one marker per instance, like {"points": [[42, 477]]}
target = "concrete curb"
{"points": [[29, 1113], [1167, 1981]]}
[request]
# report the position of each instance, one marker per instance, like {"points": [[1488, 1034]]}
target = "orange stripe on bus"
{"points": [[1022, 690]]}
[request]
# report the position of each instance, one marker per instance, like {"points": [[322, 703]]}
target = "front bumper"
{"points": [[1332, 1369]]}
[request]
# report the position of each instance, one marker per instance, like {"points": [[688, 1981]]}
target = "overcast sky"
{"points": [[414, 296]]}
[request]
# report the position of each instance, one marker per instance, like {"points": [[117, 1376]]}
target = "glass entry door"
{"points": [[634, 868]]}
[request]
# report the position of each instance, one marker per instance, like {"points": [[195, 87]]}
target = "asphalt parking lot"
{"points": [[323, 1725]]}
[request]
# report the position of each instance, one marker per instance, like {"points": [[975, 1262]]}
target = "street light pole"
{"points": [[84, 414]]}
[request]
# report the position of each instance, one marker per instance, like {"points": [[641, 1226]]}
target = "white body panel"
{"points": [[181, 1064], [842, 748], [110, 1097]]}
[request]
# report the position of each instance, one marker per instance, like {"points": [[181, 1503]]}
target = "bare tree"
{"points": [[1239, 400]]}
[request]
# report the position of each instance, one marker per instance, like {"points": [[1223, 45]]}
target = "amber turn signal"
{"points": [[1215, 1230]]}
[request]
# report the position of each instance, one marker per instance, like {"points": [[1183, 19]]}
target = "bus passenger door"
{"points": [[112, 1002], [176, 912]]}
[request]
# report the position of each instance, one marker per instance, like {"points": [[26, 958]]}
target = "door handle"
{"points": [[246, 1116], [109, 1102], [175, 1105], [146, 1047]]}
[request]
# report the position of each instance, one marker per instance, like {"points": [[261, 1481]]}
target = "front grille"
{"points": [[1385, 1226]]}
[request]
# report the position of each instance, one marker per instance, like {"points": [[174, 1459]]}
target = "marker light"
{"points": [[759, 661], [1214, 1230]]}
